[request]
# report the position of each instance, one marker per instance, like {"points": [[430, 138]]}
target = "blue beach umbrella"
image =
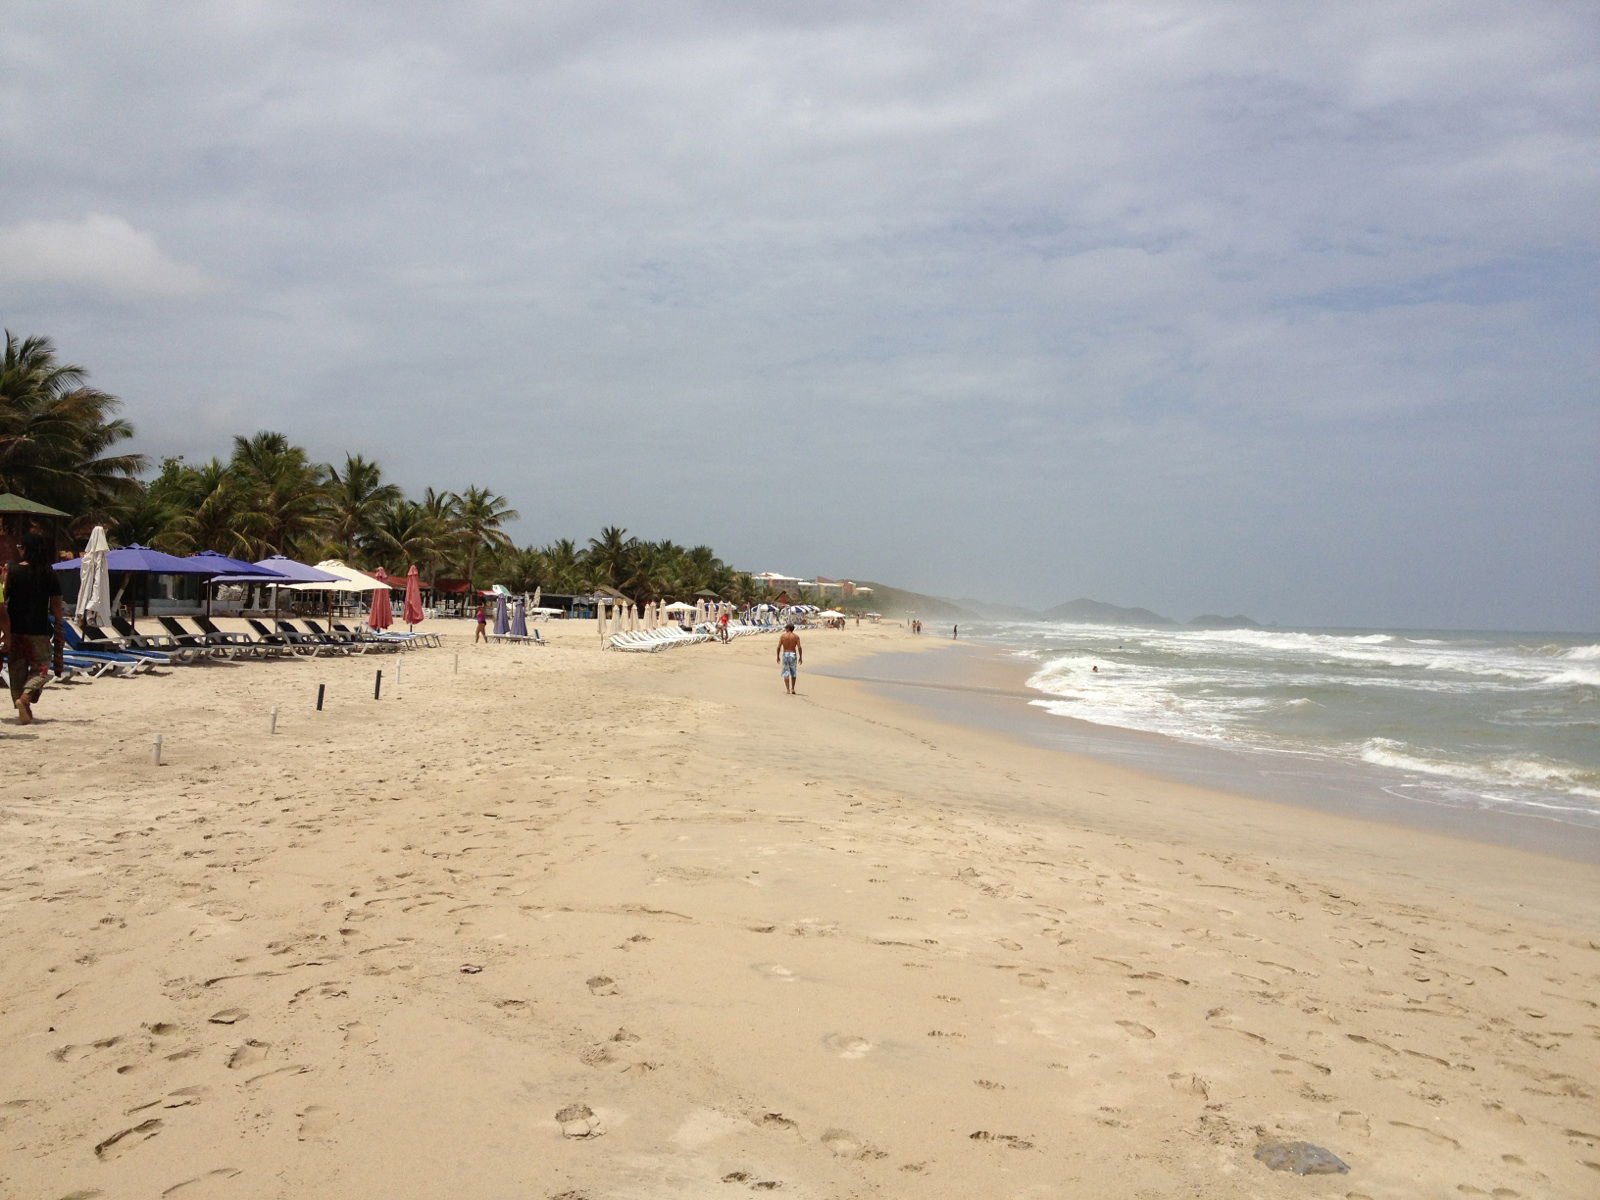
{"points": [[519, 619], [502, 625], [234, 570], [137, 559]]}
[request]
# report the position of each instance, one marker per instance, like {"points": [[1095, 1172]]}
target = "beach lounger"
{"points": [[290, 645], [237, 642], [191, 640], [351, 638], [406, 641], [341, 644], [132, 639], [93, 641]]}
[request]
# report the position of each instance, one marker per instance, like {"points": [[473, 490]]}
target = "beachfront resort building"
{"points": [[821, 585]]}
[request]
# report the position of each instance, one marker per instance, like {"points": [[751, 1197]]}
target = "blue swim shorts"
{"points": [[791, 663]]}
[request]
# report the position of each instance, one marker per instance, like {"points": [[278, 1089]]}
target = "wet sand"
{"points": [[573, 924], [969, 683]]}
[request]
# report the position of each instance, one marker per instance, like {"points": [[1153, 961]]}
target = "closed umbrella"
{"points": [[412, 609], [519, 619], [538, 594], [94, 587], [502, 624], [381, 614]]}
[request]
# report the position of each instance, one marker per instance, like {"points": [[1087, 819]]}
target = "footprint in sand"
{"points": [[1192, 1084], [1134, 1029], [317, 1122], [248, 1054], [228, 1016], [181, 1098], [181, 1190], [774, 971], [579, 1121], [121, 1142], [1355, 1122], [357, 1034], [844, 1144], [847, 1045], [602, 985], [1009, 1140], [1437, 1138]]}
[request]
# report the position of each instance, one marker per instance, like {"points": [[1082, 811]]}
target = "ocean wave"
{"points": [[1519, 772], [1579, 676], [1583, 653]]}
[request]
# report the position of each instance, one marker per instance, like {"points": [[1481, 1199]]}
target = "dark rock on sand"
{"points": [[1300, 1157]]}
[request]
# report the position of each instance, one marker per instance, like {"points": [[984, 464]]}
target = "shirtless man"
{"points": [[789, 657]]}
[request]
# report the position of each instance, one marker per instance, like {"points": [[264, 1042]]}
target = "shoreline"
{"points": [[570, 922], [1002, 702]]}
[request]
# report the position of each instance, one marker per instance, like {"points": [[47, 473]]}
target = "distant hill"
{"points": [[900, 605], [1096, 612], [1212, 621]]}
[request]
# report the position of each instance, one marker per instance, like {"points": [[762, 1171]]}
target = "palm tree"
{"points": [[212, 509], [610, 556], [564, 571], [56, 434], [285, 488], [354, 499], [478, 514], [407, 530], [522, 569]]}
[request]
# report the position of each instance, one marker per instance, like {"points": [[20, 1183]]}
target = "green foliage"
{"points": [[57, 435], [269, 497]]}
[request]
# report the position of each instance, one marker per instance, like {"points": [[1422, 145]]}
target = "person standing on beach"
{"points": [[482, 618], [33, 598], [722, 624], [789, 657]]}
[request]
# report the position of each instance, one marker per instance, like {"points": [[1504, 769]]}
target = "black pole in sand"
{"points": [[377, 685], [321, 689]]}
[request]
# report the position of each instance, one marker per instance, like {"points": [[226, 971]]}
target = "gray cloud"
{"points": [[1232, 306]]}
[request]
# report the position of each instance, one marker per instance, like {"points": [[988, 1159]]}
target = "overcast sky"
{"points": [[1283, 309]]}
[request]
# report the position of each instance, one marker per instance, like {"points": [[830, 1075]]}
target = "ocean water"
{"points": [[1499, 721]]}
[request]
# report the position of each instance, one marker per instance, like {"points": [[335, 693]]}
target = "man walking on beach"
{"points": [[789, 657], [33, 606]]}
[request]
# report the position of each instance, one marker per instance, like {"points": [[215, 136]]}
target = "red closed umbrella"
{"points": [[381, 614], [412, 610]]}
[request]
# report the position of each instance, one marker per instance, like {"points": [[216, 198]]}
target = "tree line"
{"points": [[61, 444]]}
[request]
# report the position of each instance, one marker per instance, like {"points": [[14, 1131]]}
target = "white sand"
{"points": [[574, 924]]}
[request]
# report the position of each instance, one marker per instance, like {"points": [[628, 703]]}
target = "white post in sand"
{"points": [[155, 750], [457, 671], [273, 728]]}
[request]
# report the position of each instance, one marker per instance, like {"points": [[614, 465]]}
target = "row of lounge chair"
{"points": [[674, 635], [94, 651]]}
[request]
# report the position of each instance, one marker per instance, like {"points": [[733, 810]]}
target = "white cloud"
{"points": [[99, 254], [1149, 260]]}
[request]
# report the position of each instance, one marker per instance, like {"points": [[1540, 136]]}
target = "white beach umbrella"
{"points": [[94, 581]]}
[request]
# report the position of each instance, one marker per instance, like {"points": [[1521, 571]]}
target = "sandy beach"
{"points": [[553, 922]]}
